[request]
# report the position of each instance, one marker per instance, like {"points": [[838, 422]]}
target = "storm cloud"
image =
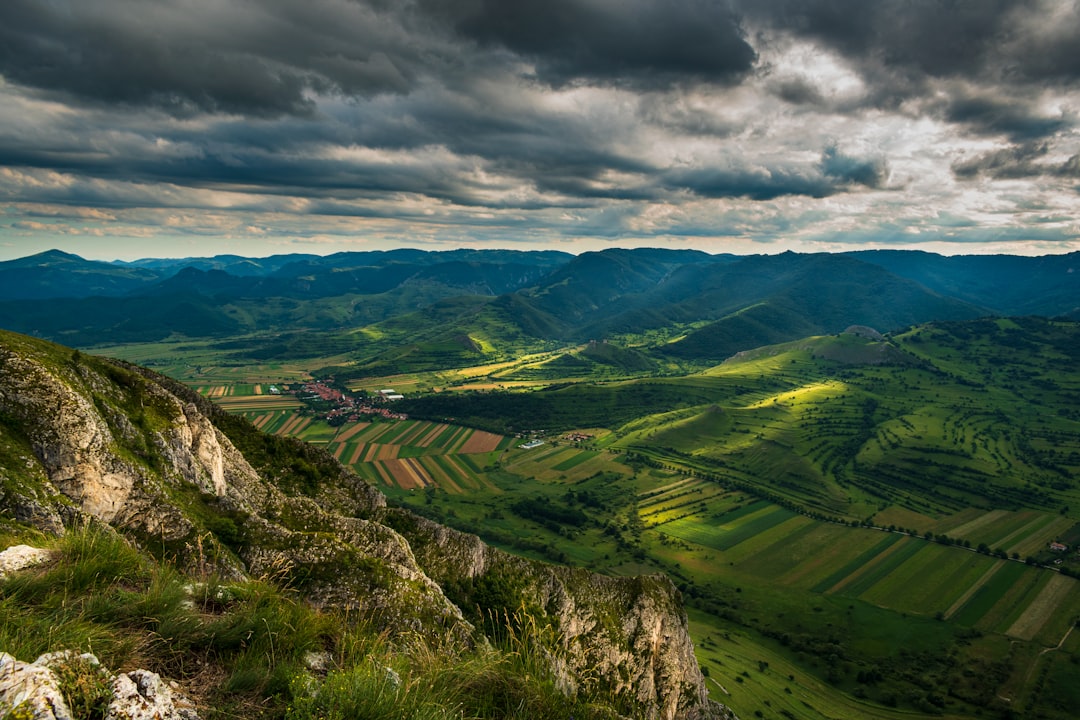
{"points": [[728, 124], [639, 43]]}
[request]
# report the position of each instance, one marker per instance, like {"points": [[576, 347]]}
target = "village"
{"points": [[337, 407]]}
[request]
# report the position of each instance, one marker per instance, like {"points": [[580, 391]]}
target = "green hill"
{"points": [[934, 419]]}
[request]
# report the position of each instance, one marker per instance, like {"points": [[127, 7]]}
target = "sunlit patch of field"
{"points": [[1043, 607], [243, 404]]}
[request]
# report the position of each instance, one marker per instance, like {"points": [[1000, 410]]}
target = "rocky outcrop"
{"points": [[629, 634], [35, 690], [91, 439], [20, 557]]}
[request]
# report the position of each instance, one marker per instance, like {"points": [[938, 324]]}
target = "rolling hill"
{"points": [[936, 418], [412, 310]]}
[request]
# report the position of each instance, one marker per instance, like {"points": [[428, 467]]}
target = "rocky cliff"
{"points": [[84, 439]]}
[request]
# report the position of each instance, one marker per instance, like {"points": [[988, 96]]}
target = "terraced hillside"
{"points": [[933, 419]]}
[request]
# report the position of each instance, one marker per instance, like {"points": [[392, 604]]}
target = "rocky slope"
{"points": [[83, 439]]}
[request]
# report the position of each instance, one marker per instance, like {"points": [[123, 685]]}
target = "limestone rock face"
{"points": [[628, 633], [138, 695], [33, 687], [142, 695], [70, 437]]}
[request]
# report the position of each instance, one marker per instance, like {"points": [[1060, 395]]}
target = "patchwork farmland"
{"points": [[758, 540], [398, 456]]}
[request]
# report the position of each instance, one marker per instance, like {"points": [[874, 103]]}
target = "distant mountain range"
{"points": [[465, 302]]}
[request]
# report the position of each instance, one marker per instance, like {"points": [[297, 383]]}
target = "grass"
{"points": [[242, 649]]}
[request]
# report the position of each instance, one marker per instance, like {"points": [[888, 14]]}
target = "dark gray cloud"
{"points": [[980, 63], [630, 43], [755, 184], [1017, 161], [835, 173], [941, 39], [798, 91], [228, 56], [1003, 115], [592, 117], [848, 170]]}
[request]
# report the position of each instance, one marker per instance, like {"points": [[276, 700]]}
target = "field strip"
{"points": [[648, 495], [870, 564], [754, 506], [387, 452], [338, 450], [407, 437], [454, 465], [355, 457], [845, 571], [348, 433], [442, 439], [980, 611], [401, 430], [425, 477], [946, 525], [978, 522], [481, 441], [1041, 608], [284, 429], [1038, 540], [1023, 531], [791, 530], [435, 471], [960, 601], [698, 495], [686, 501], [581, 458], [421, 477], [543, 454], [449, 440], [403, 475], [302, 426], [294, 425], [383, 474], [460, 441], [257, 390], [262, 420], [433, 433], [386, 429]]}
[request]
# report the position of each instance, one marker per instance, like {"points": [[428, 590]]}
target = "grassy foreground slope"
{"points": [[256, 649]]}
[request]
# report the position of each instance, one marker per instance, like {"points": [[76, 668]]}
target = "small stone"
{"points": [[30, 686], [20, 557]]}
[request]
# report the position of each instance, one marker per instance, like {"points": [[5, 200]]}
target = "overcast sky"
{"points": [[137, 128]]}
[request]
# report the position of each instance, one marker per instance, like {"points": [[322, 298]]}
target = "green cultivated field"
{"points": [[773, 586]]}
